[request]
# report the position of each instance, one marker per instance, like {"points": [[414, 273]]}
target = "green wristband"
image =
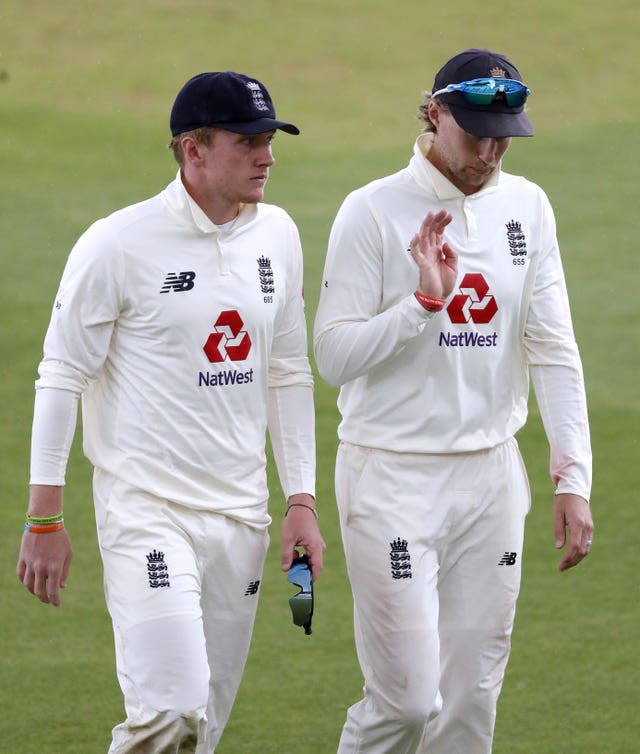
{"points": [[44, 520]]}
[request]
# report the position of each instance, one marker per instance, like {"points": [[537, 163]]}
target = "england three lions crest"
{"points": [[516, 239]]}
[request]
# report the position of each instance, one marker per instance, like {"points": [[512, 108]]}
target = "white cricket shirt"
{"points": [[185, 341], [456, 381]]}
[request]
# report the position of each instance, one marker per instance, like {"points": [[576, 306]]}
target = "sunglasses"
{"points": [[301, 603], [484, 91]]}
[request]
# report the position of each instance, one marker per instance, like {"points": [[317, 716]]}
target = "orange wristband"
{"points": [[430, 303], [44, 528]]}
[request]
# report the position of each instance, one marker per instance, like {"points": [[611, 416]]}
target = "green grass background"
{"points": [[85, 90]]}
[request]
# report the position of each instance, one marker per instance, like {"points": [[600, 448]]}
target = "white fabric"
{"points": [[52, 433], [182, 633], [419, 383], [435, 625], [140, 297], [292, 431]]}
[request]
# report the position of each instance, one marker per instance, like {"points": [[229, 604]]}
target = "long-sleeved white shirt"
{"points": [[458, 380], [185, 340]]}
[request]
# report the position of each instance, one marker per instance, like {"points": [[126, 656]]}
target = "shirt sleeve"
{"points": [[556, 370], [86, 307], [351, 333], [292, 432], [290, 406], [75, 347], [54, 421]]}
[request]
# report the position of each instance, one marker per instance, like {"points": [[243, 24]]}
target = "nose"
{"points": [[488, 150], [265, 156]]}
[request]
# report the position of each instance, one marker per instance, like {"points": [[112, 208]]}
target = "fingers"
{"points": [[43, 565], [42, 585], [431, 230], [288, 541], [315, 551], [435, 222], [448, 253], [559, 525], [300, 529], [436, 260], [46, 587], [287, 555], [65, 570], [579, 545], [575, 553], [314, 548], [572, 512]]}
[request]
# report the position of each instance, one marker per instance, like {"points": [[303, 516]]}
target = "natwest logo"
{"points": [[474, 302], [229, 341]]}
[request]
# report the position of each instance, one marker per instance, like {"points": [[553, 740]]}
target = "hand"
{"points": [[572, 512], [436, 260], [300, 529], [44, 560], [43, 564]]}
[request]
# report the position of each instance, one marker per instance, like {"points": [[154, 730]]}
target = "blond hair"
{"points": [[203, 135], [423, 112]]}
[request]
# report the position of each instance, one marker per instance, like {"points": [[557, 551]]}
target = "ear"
{"points": [[191, 149], [434, 113]]}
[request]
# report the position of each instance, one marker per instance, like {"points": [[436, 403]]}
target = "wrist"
{"points": [[301, 505], [430, 303], [43, 524]]}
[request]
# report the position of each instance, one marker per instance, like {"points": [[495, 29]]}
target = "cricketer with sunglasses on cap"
{"points": [[443, 295], [180, 320]]}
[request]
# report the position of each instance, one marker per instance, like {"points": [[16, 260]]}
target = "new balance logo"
{"points": [[178, 283], [157, 570], [400, 559], [252, 588], [508, 559]]}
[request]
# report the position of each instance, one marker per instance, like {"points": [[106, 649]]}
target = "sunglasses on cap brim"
{"points": [[484, 91]]}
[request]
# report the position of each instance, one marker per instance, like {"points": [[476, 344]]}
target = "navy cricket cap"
{"points": [[494, 120], [227, 100]]}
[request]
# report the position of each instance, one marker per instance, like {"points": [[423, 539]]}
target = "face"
{"points": [[231, 170], [466, 160]]}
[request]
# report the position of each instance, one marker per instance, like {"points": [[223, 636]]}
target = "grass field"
{"points": [[85, 89]]}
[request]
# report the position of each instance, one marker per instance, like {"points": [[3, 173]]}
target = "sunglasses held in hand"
{"points": [[301, 603], [485, 90]]}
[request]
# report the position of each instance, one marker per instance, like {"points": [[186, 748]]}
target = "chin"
{"points": [[253, 197]]}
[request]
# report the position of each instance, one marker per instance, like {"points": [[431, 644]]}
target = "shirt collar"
{"points": [[181, 202]]}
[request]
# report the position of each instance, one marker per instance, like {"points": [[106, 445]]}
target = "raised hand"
{"points": [[436, 260]]}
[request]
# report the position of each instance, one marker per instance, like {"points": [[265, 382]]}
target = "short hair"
{"points": [[423, 112], [203, 135]]}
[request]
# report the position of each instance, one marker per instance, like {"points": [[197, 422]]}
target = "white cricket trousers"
{"points": [[181, 587], [433, 545]]}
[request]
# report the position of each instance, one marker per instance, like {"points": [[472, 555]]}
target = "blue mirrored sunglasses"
{"points": [[301, 603], [485, 90]]}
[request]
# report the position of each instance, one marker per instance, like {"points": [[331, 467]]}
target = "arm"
{"points": [[75, 347], [561, 400], [291, 423], [44, 559], [351, 334], [556, 373], [291, 429]]}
